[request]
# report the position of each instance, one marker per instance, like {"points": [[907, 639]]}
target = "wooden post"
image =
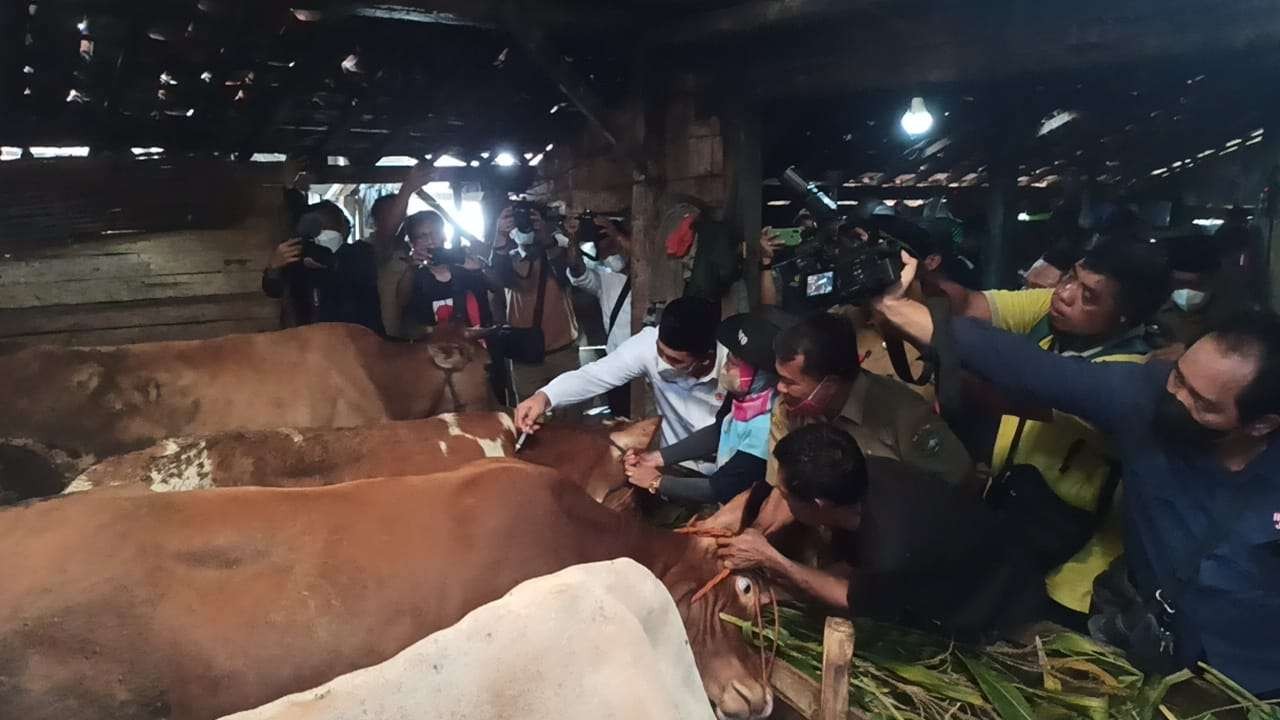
{"points": [[1001, 214], [837, 653], [744, 168]]}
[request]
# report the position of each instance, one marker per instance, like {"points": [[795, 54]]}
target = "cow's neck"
{"points": [[676, 558]]}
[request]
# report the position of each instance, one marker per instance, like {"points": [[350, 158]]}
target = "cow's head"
{"points": [[732, 672], [459, 354], [592, 456]]}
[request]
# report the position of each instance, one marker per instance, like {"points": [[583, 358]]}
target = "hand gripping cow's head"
{"points": [[733, 673]]}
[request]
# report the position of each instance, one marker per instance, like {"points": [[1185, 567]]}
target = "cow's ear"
{"points": [[636, 435]]}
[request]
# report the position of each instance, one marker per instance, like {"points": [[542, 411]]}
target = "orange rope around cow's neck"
{"points": [[719, 578]]}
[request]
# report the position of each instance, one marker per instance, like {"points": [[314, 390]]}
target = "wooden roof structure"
{"points": [[1135, 87]]}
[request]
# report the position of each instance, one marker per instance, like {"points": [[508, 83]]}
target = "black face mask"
{"points": [[1173, 425]]}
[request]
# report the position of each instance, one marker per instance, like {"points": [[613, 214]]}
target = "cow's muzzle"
{"points": [[744, 700]]}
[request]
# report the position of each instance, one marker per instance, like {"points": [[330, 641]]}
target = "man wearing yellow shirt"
{"points": [[1098, 311]]}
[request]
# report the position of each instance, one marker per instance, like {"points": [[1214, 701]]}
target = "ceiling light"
{"points": [[505, 159], [533, 162], [147, 150], [83, 25], [475, 163], [10, 153], [778, 203], [1208, 222], [917, 120], [267, 157], [551, 146]]}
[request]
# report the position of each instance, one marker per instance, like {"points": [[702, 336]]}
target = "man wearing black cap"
{"points": [[679, 358], [740, 436], [1193, 267]]}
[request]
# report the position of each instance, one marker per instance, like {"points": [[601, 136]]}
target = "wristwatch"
{"points": [[653, 486]]}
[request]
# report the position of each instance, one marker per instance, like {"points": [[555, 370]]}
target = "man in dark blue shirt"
{"points": [[1201, 470]]}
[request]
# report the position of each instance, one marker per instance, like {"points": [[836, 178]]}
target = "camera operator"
{"points": [[317, 274], [442, 285], [605, 279], [392, 252], [1098, 311], [1200, 577], [533, 268]]}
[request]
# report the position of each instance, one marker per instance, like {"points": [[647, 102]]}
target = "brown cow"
{"points": [[67, 407], [590, 456], [207, 603]]}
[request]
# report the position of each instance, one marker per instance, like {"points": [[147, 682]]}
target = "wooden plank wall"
{"points": [[168, 252]]}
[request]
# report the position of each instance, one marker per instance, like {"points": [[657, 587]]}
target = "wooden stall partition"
{"points": [[99, 254]]}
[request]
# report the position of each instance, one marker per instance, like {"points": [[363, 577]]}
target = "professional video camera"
{"points": [[835, 265]]}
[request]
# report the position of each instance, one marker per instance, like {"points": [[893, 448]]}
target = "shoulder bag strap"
{"points": [[539, 305], [617, 306]]}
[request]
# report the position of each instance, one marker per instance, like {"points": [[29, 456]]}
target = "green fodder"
{"points": [[899, 673]]}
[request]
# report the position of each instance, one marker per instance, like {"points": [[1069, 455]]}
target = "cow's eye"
{"points": [[744, 585]]}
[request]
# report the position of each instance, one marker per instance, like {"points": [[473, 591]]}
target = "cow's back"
{"points": [[193, 605], [110, 399]]}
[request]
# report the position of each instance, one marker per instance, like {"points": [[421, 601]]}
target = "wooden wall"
{"points": [[96, 253]]}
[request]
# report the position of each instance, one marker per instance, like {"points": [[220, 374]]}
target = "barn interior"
{"points": [[144, 142], [146, 145]]}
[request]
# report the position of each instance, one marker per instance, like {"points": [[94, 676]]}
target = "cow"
{"points": [[308, 457], [66, 408], [492, 664], [208, 603]]}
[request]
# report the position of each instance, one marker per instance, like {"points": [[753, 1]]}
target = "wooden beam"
{"points": [[487, 13], [753, 17], [533, 38], [967, 43]]}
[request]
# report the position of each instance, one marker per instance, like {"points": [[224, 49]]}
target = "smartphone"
{"points": [[789, 236]]}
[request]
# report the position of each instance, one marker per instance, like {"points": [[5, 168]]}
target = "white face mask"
{"points": [[523, 239], [331, 239], [669, 373], [1189, 300], [616, 263]]}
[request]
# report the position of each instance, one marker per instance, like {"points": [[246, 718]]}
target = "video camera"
{"points": [[834, 265]]}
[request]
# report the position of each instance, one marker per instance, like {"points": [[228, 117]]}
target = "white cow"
{"points": [[602, 640]]}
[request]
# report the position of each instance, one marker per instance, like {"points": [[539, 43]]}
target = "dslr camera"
{"points": [[833, 265]]}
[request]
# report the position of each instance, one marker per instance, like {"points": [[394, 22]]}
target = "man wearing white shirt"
{"points": [[680, 359], [606, 280]]}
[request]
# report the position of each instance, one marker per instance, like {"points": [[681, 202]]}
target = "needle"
{"points": [[520, 441]]}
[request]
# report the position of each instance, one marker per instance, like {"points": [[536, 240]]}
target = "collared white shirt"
{"points": [[606, 286], [685, 406]]}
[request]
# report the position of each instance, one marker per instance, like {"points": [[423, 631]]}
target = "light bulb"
{"points": [[917, 120]]}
